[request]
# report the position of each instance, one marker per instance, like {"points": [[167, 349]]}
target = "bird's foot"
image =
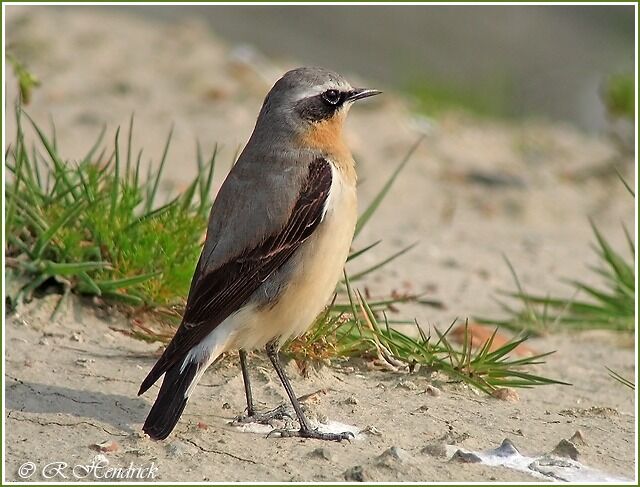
{"points": [[279, 413], [311, 433]]}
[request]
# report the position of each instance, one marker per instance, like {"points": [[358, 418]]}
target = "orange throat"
{"points": [[326, 136]]}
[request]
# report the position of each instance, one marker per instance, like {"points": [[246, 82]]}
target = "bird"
{"points": [[278, 236]]}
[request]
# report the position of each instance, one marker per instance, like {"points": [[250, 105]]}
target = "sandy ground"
{"points": [[473, 191]]}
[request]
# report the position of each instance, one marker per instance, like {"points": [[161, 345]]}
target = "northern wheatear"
{"points": [[278, 237]]}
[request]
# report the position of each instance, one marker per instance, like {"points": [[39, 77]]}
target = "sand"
{"points": [[474, 190]]}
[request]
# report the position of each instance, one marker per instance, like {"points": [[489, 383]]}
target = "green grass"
{"points": [[27, 81], [618, 94], [356, 331], [610, 306], [625, 382], [96, 227]]}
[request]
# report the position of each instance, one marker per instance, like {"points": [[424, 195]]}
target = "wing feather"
{"points": [[217, 293]]}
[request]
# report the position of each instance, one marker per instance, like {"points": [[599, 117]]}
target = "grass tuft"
{"points": [[610, 306], [358, 332], [95, 225]]}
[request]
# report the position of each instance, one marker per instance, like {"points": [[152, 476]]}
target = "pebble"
{"points": [[566, 449], [506, 394], [357, 474], [506, 449], [393, 456], [351, 400], [464, 457], [578, 438], [108, 446], [176, 449]]}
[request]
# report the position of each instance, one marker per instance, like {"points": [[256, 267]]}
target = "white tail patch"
{"points": [[209, 349]]}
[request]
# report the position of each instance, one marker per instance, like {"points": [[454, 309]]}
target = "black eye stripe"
{"points": [[333, 97], [322, 106]]}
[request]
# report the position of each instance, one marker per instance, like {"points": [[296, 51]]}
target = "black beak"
{"points": [[359, 93]]}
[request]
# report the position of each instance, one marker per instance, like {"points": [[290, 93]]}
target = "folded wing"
{"points": [[220, 288]]}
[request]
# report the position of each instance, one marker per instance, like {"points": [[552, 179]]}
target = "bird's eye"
{"points": [[332, 97]]}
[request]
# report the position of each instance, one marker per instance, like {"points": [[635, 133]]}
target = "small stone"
{"points": [[393, 456], [108, 446], [351, 400], [176, 449], [76, 337], [506, 394], [506, 449], [357, 474], [464, 457], [408, 385], [44, 342], [435, 450], [433, 391], [566, 449], [322, 453], [578, 438]]}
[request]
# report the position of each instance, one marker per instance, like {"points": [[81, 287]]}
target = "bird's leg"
{"points": [[305, 431], [247, 383], [252, 416]]}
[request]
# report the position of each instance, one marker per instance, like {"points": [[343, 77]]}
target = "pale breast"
{"points": [[317, 267]]}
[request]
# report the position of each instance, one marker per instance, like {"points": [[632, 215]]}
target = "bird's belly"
{"points": [[314, 272]]}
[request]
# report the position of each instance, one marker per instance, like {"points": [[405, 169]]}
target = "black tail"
{"points": [[171, 401]]}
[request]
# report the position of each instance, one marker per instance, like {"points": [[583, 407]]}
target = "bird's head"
{"points": [[310, 100]]}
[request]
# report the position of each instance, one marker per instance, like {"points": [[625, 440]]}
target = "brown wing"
{"points": [[217, 293]]}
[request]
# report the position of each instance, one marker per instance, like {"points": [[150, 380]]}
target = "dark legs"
{"points": [[247, 384], [252, 415], [306, 431]]}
